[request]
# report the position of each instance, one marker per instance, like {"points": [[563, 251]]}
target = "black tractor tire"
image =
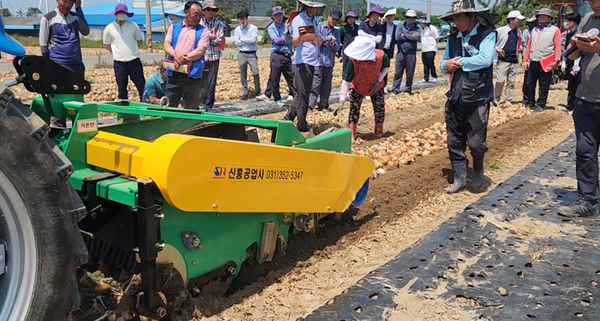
{"points": [[39, 212]]}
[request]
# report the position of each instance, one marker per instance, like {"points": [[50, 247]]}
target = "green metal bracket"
{"points": [[118, 189], [52, 105], [85, 127], [338, 141]]}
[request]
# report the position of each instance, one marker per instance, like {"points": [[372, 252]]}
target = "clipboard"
{"points": [[293, 15], [546, 62], [223, 41], [310, 31]]}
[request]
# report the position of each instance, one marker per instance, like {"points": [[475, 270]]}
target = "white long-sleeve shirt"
{"points": [[429, 39], [246, 38]]}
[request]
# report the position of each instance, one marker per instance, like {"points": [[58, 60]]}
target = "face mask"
{"points": [[121, 16], [543, 24], [410, 21]]}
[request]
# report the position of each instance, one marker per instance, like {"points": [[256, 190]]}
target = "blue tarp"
{"points": [[98, 15], [105, 8]]}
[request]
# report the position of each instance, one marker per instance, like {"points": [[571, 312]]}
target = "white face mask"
{"points": [[121, 16]]}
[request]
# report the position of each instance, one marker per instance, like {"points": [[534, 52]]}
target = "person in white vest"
{"points": [[508, 47], [122, 38], [544, 43]]}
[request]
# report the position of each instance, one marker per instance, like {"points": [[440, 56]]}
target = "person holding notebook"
{"points": [[544, 44], [306, 40]]}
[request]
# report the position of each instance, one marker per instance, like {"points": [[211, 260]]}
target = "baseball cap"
{"points": [[277, 10], [336, 14], [516, 14]]}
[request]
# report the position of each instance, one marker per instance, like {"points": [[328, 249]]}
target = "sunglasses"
{"points": [[211, 9]]}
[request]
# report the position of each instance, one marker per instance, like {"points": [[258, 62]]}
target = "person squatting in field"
{"points": [[372, 65], [469, 60]]}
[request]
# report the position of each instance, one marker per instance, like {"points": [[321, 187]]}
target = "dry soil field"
{"points": [[405, 199]]}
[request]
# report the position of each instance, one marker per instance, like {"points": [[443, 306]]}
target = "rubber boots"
{"points": [[353, 129], [477, 182], [459, 168], [378, 129]]}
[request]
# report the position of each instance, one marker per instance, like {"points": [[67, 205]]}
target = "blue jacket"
{"points": [[407, 43], [198, 65], [59, 36]]}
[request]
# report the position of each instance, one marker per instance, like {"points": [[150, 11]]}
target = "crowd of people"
{"points": [[305, 52]]}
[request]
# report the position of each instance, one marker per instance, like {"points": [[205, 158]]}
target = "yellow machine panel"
{"points": [[200, 174]]}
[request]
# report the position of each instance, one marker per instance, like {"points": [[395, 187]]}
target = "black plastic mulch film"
{"points": [[519, 260]]}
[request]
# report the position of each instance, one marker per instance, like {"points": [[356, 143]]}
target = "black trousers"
{"points": [[303, 78], [208, 83], [280, 64], [181, 86], [572, 85], [527, 101], [537, 75], [404, 62], [428, 59], [321, 87], [586, 116], [466, 126], [124, 70], [390, 54]]}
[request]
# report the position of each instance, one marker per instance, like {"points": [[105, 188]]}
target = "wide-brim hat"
{"points": [[411, 14], [121, 7], [544, 12], [209, 4], [350, 14], [375, 10], [484, 15], [313, 4], [362, 48], [391, 12]]}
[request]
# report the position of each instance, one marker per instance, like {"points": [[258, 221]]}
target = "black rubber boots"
{"points": [[477, 182], [459, 168]]}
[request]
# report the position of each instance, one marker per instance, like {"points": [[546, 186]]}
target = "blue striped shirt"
{"points": [[327, 50]]}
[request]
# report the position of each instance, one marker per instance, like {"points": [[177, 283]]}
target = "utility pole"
{"points": [[368, 5], [148, 27], [343, 6], [428, 9]]}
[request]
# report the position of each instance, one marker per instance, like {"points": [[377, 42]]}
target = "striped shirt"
{"points": [[215, 26], [59, 36]]}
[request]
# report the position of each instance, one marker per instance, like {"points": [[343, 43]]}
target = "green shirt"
{"points": [[349, 74]]}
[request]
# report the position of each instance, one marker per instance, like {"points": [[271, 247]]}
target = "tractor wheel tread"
{"points": [[30, 123], [40, 172]]}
